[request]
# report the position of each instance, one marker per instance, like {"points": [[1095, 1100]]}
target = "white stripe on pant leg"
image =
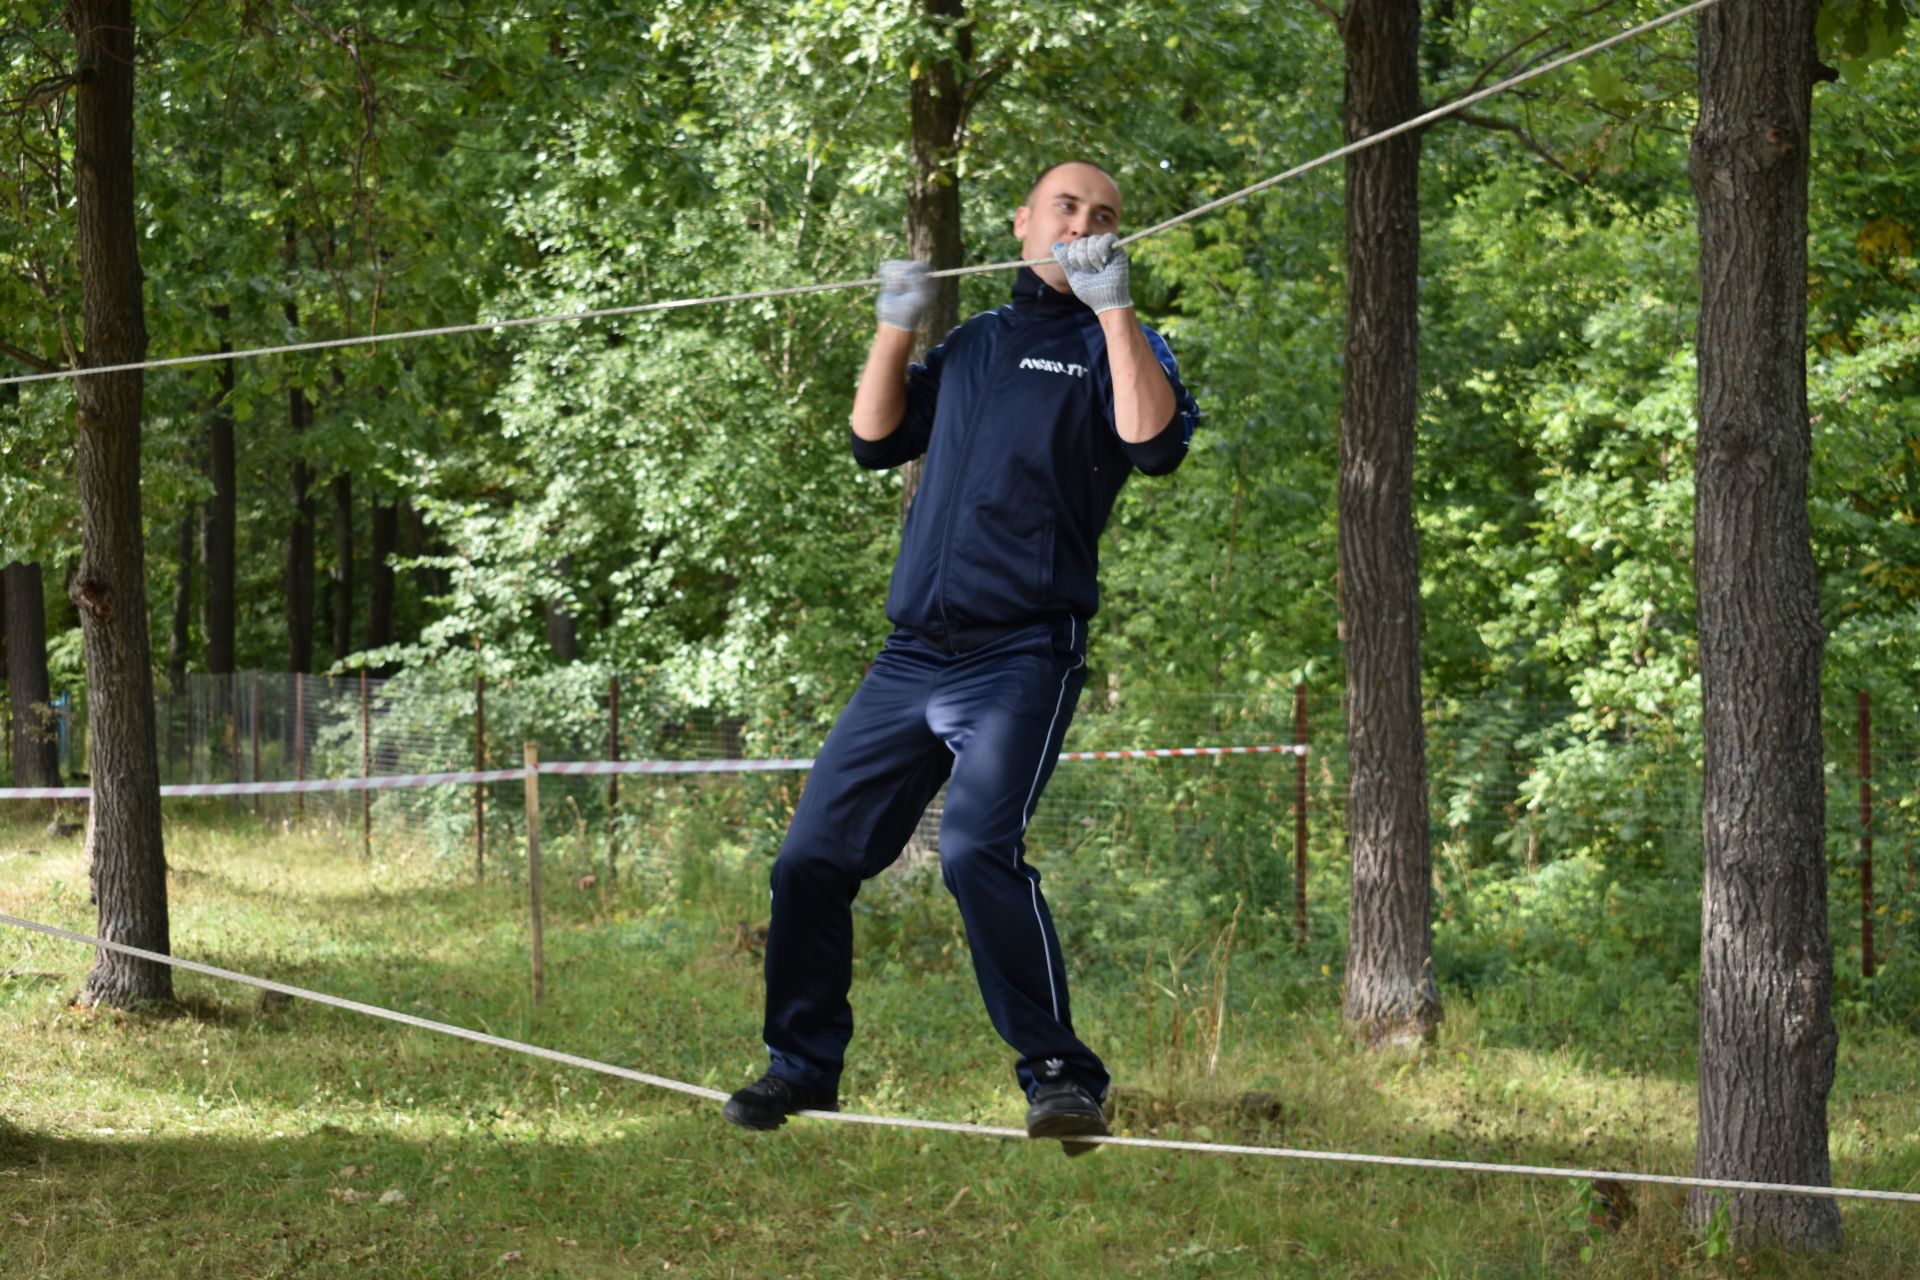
{"points": [[1045, 950], [1026, 810], [1026, 815]]}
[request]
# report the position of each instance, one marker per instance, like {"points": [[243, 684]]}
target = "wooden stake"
{"points": [[233, 721], [533, 869], [299, 743], [1300, 816], [613, 779], [479, 788], [366, 771], [253, 715], [1866, 835]]}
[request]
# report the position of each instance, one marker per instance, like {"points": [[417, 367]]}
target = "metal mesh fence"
{"points": [[1513, 785]]}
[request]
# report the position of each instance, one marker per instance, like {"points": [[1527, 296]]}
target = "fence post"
{"points": [[533, 869], [253, 715], [233, 721], [613, 779], [479, 788], [1300, 814], [1866, 835], [366, 771], [299, 743]]}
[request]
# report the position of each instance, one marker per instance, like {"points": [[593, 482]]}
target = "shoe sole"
{"points": [[762, 1120], [753, 1119], [1068, 1125]]}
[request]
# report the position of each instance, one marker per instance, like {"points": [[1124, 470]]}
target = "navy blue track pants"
{"points": [[989, 723]]}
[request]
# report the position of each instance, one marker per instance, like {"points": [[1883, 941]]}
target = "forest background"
{"points": [[669, 498]]}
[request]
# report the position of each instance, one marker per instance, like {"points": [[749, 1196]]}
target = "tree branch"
{"points": [[41, 92], [1487, 70], [974, 90], [1334, 15], [27, 358], [1532, 143]]}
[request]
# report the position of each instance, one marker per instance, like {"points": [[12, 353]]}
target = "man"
{"points": [[1030, 418]]}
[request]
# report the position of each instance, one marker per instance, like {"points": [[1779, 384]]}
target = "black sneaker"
{"points": [[1063, 1108], [768, 1101]]}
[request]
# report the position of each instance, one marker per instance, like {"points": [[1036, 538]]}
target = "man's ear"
{"points": [[1020, 223]]}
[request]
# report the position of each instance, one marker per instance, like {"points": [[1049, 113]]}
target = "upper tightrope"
{"points": [[951, 1126], [789, 291]]}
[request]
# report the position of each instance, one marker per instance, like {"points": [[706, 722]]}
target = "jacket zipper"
{"points": [[953, 493]]}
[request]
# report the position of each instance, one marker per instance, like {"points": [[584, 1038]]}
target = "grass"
{"points": [[227, 1139]]}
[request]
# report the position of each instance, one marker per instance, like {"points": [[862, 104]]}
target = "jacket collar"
{"points": [[1029, 290]]}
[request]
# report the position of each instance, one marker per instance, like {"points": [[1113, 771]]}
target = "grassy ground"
{"points": [[228, 1139]]}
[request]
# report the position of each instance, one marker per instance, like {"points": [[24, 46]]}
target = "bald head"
{"points": [[1068, 201]]}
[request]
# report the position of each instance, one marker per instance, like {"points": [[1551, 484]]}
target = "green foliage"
{"points": [[236, 1138], [678, 482]]}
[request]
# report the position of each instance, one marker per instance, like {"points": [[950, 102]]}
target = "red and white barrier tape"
{"points": [[399, 781], [395, 782], [1162, 753]]}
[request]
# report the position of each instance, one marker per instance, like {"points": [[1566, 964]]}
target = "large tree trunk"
{"points": [[385, 534], [299, 565], [299, 581], [563, 631], [936, 111], [342, 566], [218, 607], [422, 539], [180, 638], [126, 858], [1767, 1037], [1390, 992], [36, 741]]}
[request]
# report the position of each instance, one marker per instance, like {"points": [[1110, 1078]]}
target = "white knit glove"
{"points": [[905, 292], [1096, 268]]}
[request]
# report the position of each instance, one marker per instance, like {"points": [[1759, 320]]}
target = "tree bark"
{"points": [[1391, 997], [218, 608], [563, 632], [299, 579], [936, 112], [1767, 1039], [386, 539], [36, 742], [342, 566], [126, 857], [180, 638], [300, 531]]}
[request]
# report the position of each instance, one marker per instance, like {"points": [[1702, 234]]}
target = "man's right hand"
{"points": [[905, 293]]}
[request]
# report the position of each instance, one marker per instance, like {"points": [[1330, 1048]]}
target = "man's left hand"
{"points": [[1096, 269]]}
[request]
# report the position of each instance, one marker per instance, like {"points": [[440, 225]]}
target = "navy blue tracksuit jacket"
{"points": [[996, 578]]}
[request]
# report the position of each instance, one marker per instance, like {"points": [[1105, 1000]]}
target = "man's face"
{"points": [[1073, 200]]}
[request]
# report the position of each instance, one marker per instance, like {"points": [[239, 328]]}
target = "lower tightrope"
{"points": [[948, 1126]]}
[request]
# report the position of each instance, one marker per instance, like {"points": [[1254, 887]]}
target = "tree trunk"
{"points": [[386, 538], [299, 584], [36, 741], [299, 566], [423, 540], [180, 638], [219, 605], [342, 566], [563, 633], [126, 858], [1767, 1038], [1390, 992], [935, 115]]}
